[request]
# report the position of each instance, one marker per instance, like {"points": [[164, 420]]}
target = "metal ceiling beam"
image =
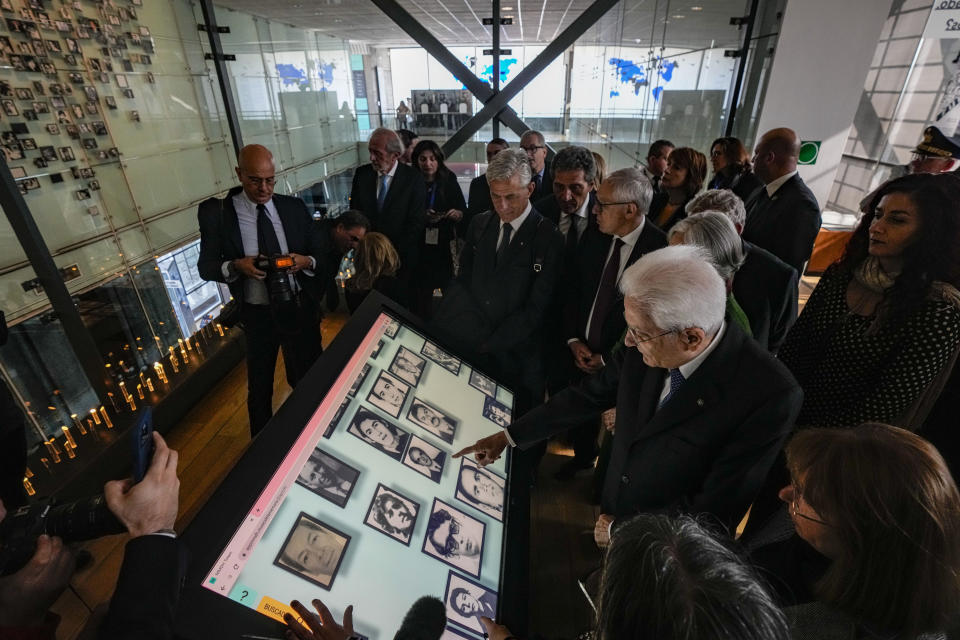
{"points": [[412, 27], [569, 35]]}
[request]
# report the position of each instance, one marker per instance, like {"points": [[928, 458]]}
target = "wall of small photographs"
{"points": [[112, 125]]}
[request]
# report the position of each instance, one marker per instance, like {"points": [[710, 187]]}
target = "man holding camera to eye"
{"points": [[265, 247], [145, 598]]}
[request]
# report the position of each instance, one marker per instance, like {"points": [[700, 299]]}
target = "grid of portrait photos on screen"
{"points": [[400, 409]]}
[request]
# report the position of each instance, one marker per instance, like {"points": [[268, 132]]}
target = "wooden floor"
{"points": [[214, 435]]}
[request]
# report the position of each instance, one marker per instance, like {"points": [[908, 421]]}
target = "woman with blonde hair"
{"points": [[375, 264]]}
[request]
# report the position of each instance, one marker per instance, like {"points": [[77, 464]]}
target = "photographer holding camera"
{"points": [[265, 247], [148, 588]]}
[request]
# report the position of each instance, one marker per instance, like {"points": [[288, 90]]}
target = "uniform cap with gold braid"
{"points": [[934, 143]]}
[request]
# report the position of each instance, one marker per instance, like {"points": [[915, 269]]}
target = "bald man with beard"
{"points": [[253, 221], [783, 217]]}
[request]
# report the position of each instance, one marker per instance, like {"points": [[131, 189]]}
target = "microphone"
{"points": [[425, 620]]}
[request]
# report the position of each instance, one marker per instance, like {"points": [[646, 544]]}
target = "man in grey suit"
{"points": [[702, 410]]}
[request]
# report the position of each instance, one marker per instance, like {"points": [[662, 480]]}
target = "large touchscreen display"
{"points": [[369, 508]]}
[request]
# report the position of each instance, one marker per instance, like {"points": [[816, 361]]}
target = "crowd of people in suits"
{"points": [[637, 291]]}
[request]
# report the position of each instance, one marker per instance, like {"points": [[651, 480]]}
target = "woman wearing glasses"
{"points": [[445, 206], [874, 547], [731, 168]]}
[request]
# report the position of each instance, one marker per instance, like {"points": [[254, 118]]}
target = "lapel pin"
{"points": [[699, 402]]}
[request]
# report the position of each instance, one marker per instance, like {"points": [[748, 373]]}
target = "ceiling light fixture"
{"points": [[696, 8], [678, 17]]}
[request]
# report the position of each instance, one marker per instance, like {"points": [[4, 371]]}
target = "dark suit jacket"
{"points": [[500, 309], [766, 289], [546, 185], [585, 280], [659, 201], [220, 240], [478, 200], [707, 450], [785, 225], [404, 214], [144, 602]]}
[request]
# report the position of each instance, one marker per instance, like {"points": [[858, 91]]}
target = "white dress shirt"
{"points": [[255, 291], [389, 175], [515, 224], [776, 184], [629, 242], [686, 370], [579, 216]]}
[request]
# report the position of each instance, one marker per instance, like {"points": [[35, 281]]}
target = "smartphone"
{"points": [[142, 440]]}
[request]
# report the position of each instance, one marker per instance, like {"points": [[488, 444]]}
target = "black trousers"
{"points": [[296, 330]]}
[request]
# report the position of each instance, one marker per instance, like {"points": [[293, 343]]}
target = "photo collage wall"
{"points": [[381, 513], [69, 63]]}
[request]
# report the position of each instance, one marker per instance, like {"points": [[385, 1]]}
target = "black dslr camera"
{"points": [[72, 522], [277, 269]]}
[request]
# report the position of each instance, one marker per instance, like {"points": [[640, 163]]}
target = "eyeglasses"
{"points": [[635, 335], [795, 508], [600, 205], [262, 181], [920, 157], [533, 148]]}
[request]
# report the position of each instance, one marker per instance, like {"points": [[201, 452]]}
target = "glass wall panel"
{"points": [[912, 84]]}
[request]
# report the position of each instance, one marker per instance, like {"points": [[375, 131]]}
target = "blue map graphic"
{"points": [[634, 75], [505, 64], [326, 74], [292, 75]]}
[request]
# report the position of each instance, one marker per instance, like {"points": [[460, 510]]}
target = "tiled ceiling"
{"points": [[688, 24]]}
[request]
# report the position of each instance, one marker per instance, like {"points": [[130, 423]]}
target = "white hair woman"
{"points": [[713, 232]]}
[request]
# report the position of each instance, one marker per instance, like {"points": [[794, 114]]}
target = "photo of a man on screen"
{"points": [[480, 489], [328, 477], [313, 551], [379, 433], [454, 538]]}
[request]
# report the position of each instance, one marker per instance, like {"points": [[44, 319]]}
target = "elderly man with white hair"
{"points": [[393, 197], [702, 410], [765, 286]]}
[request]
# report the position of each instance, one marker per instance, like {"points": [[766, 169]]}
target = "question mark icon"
{"points": [[244, 594]]}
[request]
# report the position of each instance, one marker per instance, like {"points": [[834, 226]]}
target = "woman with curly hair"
{"points": [[883, 325], [683, 179], [731, 168]]}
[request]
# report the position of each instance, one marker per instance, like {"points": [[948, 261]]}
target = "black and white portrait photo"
{"points": [[441, 357], [392, 328], [466, 601], [359, 381], [432, 419], [376, 350], [379, 433], [388, 394], [392, 514], [328, 477], [313, 551], [496, 412], [483, 384], [481, 489], [408, 366], [337, 417], [425, 459], [450, 633], [454, 538]]}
